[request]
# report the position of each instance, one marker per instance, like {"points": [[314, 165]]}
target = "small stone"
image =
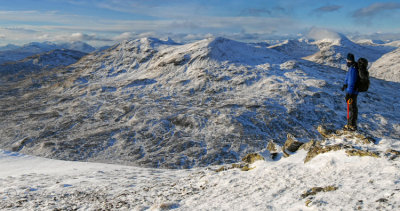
{"points": [[382, 200], [308, 202]]}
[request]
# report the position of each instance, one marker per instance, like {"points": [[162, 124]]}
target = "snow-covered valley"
{"points": [[126, 118]]}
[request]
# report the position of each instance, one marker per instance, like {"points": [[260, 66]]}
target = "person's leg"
{"points": [[353, 112]]}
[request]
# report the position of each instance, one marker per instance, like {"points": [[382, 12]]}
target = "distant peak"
{"points": [[217, 41]]}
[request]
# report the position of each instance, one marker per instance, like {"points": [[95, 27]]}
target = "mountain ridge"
{"points": [[160, 104]]}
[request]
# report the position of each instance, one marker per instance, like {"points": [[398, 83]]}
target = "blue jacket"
{"points": [[351, 80]]}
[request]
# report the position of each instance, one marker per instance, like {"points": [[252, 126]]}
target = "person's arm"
{"points": [[352, 80]]}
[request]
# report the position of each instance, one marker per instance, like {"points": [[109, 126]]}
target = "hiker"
{"points": [[351, 93]]}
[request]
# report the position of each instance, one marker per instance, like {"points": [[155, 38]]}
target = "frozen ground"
{"points": [[330, 181], [155, 103]]}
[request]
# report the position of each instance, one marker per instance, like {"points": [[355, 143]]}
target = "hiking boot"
{"points": [[349, 128]]}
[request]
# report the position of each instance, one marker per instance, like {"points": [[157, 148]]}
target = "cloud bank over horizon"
{"points": [[104, 22]]}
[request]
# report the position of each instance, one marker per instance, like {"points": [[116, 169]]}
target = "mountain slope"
{"points": [[37, 63], [332, 180], [333, 52], [296, 48], [31, 49], [157, 103], [78, 46], [387, 67], [8, 47]]}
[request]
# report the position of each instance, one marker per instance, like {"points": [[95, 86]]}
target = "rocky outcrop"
{"points": [[252, 157], [291, 145]]}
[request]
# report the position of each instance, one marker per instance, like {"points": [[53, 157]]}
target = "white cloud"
{"points": [[320, 34], [124, 36], [376, 8]]}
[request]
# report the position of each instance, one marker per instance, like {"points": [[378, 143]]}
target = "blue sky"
{"points": [[101, 22]]}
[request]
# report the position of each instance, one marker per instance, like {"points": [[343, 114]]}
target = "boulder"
{"points": [[291, 145]]}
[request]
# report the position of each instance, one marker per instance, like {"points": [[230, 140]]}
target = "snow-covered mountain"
{"points": [[387, 67], [157, 103], [13, 71], [78, 46], [8, 47], [394, 43], [297, 48], [333, 52], [30, 49]]}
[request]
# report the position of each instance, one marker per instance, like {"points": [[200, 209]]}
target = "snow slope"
{"points": [[37, 63], [15, 53], [387, 67], [8, 47], [330, 181], [157, 103], [333, 52], [297, 48]]}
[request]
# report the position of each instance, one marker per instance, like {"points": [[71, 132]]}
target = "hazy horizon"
{"points": [[101, 22]]}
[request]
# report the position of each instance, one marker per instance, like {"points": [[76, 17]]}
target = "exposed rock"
{"points": [[248, 159], [392, 153], [252, 157], [247, 168], [307, 146], [315, 190], [382, 200], [241, 166], [326, 133], [308, 202], [272, 148], [361, 153], [360, 138], [20, 144], [316, 150], [291, 145]]}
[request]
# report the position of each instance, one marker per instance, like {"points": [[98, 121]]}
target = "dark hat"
{"points": [[350, 57]]}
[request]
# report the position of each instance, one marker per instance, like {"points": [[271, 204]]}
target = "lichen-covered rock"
{"points": [[317, 149], [315, 190], [358, 137], [361, 153], [326, 133], [291, 145], [307, 146], [273, 149], [241, 166], [252, 157]]}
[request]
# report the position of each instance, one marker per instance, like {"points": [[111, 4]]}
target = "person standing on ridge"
{"points": [[351, 93]]}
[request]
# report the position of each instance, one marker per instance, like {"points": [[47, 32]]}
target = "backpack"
{"points": [[363, 81]]}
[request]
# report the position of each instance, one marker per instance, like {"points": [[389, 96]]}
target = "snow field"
{"points": [[365, 183]]}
